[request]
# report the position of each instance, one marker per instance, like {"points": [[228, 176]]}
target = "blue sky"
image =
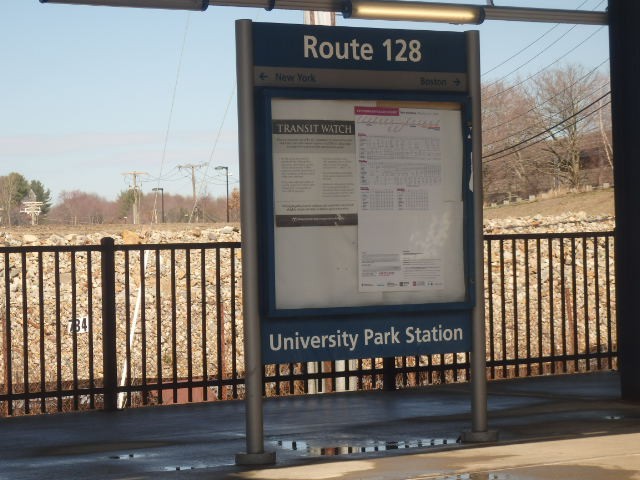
{"points": [[90, 93]]}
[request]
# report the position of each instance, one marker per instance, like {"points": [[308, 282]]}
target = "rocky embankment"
{"points": [[91, 235], [565, 223]]}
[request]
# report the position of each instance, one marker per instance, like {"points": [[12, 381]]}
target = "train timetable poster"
{"points": [[367, 200]]}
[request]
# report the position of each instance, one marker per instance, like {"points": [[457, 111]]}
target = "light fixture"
{"points": [[200, 5], [520, 14], [413, 11]]}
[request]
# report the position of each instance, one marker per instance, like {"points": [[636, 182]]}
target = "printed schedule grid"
{"points": [[395, 171]]}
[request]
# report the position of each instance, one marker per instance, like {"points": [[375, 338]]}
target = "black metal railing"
{"points": [[550, 303], [108, 326]]}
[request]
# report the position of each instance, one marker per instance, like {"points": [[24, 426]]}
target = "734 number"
{"points": [[79, 325]]}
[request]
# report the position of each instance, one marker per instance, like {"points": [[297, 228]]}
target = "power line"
{"points": [[488, 129], [532, 58], [515, 134], [546, 67], [545, 138], [173, 101], [548, 131], [521, 50], [213, 149], [533, 43]]}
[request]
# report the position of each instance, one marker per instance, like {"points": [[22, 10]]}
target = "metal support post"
{"points": [[255, 454], [479, 430], [625, 102], [109, 350]]}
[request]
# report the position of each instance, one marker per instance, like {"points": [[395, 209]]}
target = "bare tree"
{"points": [[507, 122], [76, 207], [566, 103]]}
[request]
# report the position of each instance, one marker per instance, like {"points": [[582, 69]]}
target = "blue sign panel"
{"points": [[334, 338], [358, 48], [364, 208]]}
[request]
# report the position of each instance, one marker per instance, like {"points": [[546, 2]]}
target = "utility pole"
{"points": [[136, 194], [226, 172], [193, 175], [33, 209], [155, 211]]}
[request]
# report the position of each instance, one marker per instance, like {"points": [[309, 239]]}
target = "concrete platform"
{"points": [[565, 427]]}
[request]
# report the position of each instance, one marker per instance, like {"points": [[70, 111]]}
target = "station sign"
{"points": [[363, 197], [359, 58]]}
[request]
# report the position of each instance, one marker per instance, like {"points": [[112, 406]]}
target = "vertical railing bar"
{"points": [[304, 373], [92, 386], [574, 306], [43, 370], [276, 378], [608, 299], [127, 309], [539, 285], [552, 320], [74, 332], [291, 382], [25, 332], [143, 326], [596, 297], [454, 366], [503, 306], [219, 326], [426, 368], [58, 331], [516, 323], [159, 363], [203, 319], [585, 293], [563, 307], [294, 378], [527, 287], [109, 326], [492, 348], [187, 286], [8, 341], [174, 327], [234, 336], [375, 377], [467, 370]]}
